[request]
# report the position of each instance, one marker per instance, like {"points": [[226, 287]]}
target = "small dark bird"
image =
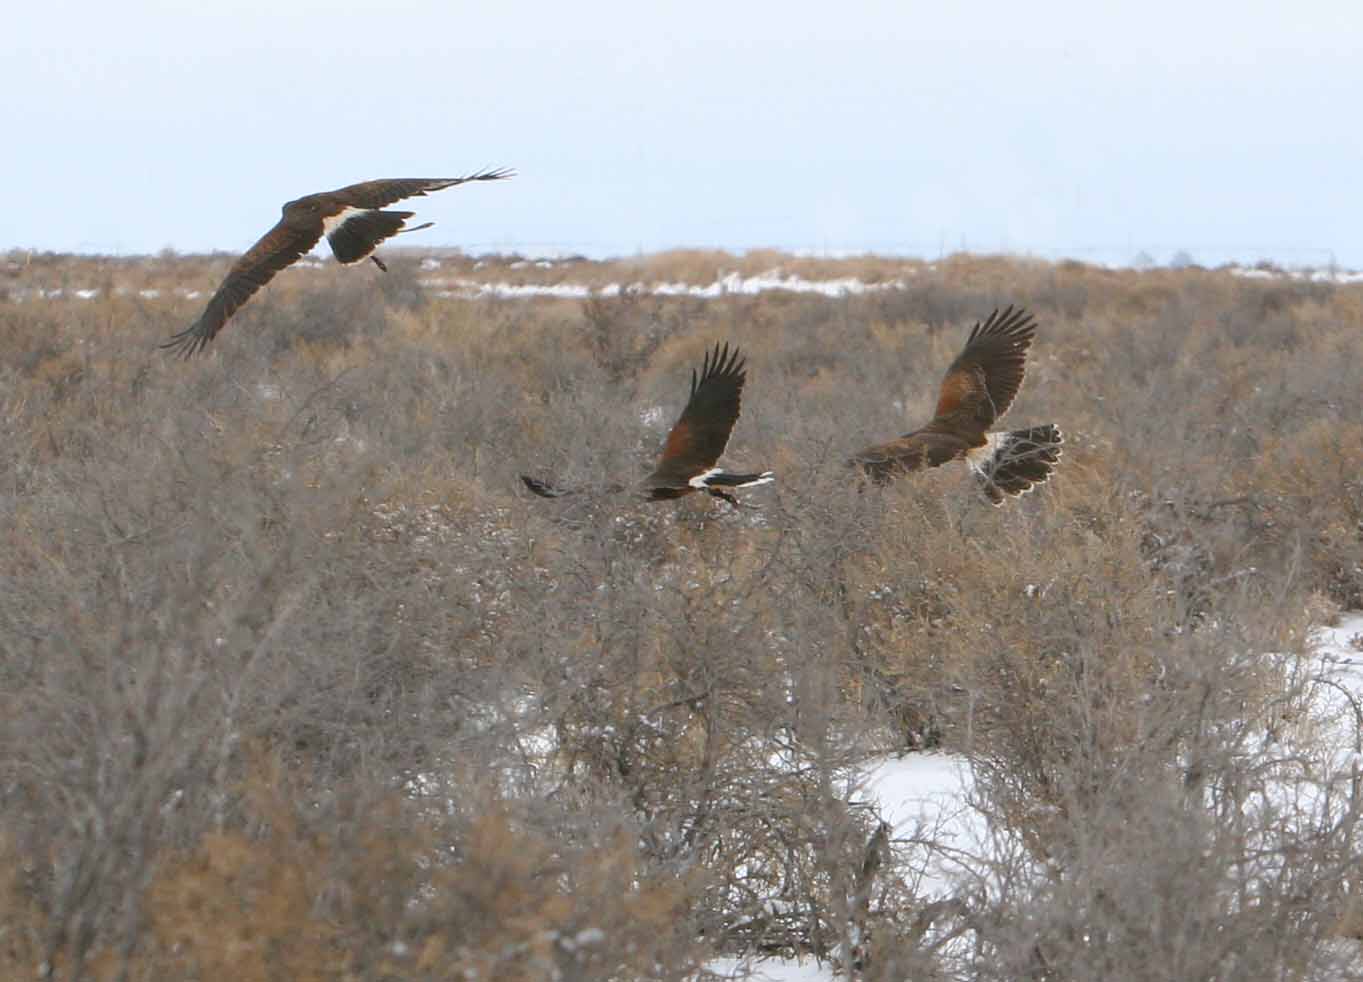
{"points": [[693, 447], [978, 389], [349, 217]]}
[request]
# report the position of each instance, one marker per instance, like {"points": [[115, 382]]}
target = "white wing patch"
{"points": [[703, 480]]}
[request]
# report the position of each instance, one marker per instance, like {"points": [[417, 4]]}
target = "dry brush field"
{"points": [[298, 682]]}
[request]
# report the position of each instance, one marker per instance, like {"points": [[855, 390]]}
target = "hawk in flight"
{"points": [[693, 448], [978, 389], [351, 218]]}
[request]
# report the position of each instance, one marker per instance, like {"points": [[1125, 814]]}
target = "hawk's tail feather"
{"points": [[723, 480], [1019, 460], [357, 236]]}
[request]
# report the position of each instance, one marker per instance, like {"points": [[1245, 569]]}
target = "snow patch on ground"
{"points": [[469, 289], [730, 284], [733, 283], [1339, 701], [771, 970], [91, 293], [652, 416], [1328, 275], [1342, 645], [924, 798]]}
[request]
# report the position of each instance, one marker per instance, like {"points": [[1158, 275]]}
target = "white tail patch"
{"points": [[979, 457], [712, 478], [702, 479], [764, 478]]}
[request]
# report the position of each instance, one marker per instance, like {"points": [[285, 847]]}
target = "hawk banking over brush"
{"points": [[978, 389], [349, 217], [691, 454]]}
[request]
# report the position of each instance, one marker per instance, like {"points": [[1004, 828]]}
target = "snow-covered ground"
{"points": [[1339, 702], [772, 970], [924, 795], [91, 293], [726, 285], [729, 284], [1330, 275], [1341, 648], [468, 289]]}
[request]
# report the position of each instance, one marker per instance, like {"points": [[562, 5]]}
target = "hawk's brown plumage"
{"points": [[353, 224], [697, 440], [978, 388], [699, 437]]}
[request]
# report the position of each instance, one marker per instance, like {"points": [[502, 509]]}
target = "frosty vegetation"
{"points": [[298, 682]]}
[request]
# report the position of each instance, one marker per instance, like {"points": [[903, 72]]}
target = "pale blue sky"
{"points": [[1054, 128]]}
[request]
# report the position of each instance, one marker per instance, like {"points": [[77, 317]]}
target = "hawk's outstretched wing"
{"points": [[356, 225], [382, 193], [277, 248], [699, 437], [985, 377]]}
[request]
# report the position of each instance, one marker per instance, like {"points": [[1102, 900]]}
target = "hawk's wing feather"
{"points": [[382, 193], [276, 249], [699, 437], [982, 382]]}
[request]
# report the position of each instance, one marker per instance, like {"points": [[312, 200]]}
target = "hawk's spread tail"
{"points": [[720, 479], [1015, 461]]}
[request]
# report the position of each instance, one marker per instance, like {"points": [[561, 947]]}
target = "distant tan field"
{"points": [[298, 681]]}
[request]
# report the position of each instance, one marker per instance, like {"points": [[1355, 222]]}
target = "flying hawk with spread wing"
{"points": [[690, 456], [978, 388], [351, 218]]}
